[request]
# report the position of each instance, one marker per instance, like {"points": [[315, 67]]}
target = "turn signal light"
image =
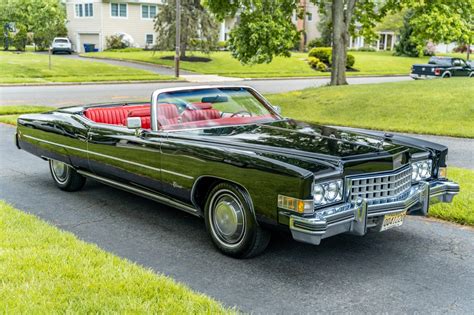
{"points": [[443, 172], [295, 204]]}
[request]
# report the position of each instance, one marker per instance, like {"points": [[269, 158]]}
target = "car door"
{"points": [[126, 155], [460, 68]]}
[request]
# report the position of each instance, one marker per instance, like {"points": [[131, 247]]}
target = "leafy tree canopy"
{"points": [[45, 18], [439, 21]]}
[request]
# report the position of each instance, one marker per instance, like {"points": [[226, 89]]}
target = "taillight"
{"points": [[437, 71]]}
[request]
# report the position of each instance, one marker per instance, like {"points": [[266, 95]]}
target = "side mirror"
{"points": [[134, 123], [277, 109]]}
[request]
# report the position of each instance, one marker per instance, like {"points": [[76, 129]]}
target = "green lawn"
{"points": [[438, 107], [222, 63], [462, 209], [33, 68], [44, 270], [9, 114]]}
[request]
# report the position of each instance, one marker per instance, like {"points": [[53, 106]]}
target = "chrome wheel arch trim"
{"points": [[248, 197]]}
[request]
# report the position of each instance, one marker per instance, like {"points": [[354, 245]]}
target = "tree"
{"points": [[438, 21], [44, 18], [265, 29], [406, 46], [199, 29]]}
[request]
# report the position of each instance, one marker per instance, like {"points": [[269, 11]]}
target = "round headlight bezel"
{"points": [[421, 170], [328, 192]]}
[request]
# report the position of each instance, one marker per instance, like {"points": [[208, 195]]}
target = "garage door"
{"points": [[89, 39]]}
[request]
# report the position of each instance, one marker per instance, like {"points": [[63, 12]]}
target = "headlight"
{"points": [[421, 170], [328, 192]]}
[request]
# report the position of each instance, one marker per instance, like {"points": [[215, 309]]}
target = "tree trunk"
{"points": [[182, 50], [339, 47], [468, 51]]}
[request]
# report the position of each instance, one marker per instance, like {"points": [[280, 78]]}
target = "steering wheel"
{"points": [[241, 112]]}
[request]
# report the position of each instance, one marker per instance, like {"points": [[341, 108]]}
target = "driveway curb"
{"points": [[91, 83]]}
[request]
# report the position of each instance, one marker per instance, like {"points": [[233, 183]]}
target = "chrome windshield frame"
{"points": [[156, 94]]}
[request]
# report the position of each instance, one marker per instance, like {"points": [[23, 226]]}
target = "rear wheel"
{"points": [[231, 223], [446, 75], [65, 177]]}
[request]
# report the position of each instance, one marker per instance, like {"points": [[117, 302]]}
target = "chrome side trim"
{"points": [[110, 157], [141, 192]]}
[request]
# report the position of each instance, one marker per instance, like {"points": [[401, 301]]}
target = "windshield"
{"points": [[211, 107], [61, 41]]}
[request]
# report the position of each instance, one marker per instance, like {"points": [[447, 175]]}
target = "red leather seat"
{"points": [[107, 115], [117, 115], [167, 114], [200, 114], [144, 114]]}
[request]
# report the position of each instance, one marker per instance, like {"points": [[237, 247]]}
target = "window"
{"points": [[148, 11], [310, 16], [149, 39], [118, 9], [84, 10], [79, 12]]}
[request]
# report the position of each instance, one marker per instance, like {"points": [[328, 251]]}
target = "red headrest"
{"points": [[201, 105]]}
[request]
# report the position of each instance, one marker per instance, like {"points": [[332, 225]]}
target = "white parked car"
{"points": [[61, 44]]}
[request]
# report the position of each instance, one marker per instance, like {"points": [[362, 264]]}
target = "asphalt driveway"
{"points": [[423, 267]]}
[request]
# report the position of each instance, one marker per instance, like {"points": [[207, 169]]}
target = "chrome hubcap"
{"points": [[228, 218], [59, 170]]}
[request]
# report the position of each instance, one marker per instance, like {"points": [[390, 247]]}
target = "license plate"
{"points": [[393, 220]]}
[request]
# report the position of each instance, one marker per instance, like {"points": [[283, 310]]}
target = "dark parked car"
{"points": [[227, 155], [443, 67]]}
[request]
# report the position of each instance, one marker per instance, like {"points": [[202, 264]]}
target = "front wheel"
{"points": [[231, 223], [65, 177]]}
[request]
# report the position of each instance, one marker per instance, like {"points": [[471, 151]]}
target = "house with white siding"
{"points": [[92, 21]]}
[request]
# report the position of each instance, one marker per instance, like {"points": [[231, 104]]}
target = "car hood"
{"points": [[298, 139]]}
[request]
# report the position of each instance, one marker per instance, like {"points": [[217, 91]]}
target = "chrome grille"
{"points": [[377, 188]]}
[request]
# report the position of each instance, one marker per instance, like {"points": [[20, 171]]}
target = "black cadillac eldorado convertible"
{"points": [[227, 155]]}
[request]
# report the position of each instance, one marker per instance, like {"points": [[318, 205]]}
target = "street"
{"points": [[425, 266], [67, 95]]}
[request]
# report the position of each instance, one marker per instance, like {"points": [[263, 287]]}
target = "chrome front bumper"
{"points": [[356, 218]]}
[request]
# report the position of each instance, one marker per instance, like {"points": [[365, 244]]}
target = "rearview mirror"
{"points": [[215, 99], [134, 123], [277, 109]]}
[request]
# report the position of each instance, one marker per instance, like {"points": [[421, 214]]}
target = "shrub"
{"points": [[115, 42], [222, 45], [325, 56], [366, 48], [20, 39], [313, 62], [317, 64], [317, 42], [42, 40], [462, 48], [430, 49], [350, 61], [321, 66], [322, 53]]}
